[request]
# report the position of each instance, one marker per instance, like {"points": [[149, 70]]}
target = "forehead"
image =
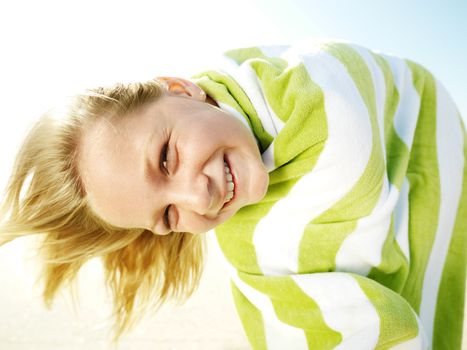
{"points": [[111, 132], [109, 160], [101, 139]]}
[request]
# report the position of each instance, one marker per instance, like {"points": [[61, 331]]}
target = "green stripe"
{"points": [[255, 54], [397, 321], [449, 315], [235, 236], [298, 102], [252, 319], [295, 308], [242, 54], [394, 267], [324, 235], [423, 176]]}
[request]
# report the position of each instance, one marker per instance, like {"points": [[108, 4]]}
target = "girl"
{"points": [[334, 177]]}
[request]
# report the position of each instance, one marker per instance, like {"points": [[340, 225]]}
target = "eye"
{"points": [[163, 158], [166, 217]]}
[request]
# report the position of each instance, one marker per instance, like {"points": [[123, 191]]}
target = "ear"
{"points": [[182, 87]]}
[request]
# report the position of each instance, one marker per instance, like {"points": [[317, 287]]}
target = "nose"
{"points": [[191, 191]]}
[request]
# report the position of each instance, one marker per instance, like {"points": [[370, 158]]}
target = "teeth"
{"points": [[230, 184]]}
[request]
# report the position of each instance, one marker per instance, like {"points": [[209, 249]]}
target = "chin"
{"points": [[258, 198], [261, 188]]}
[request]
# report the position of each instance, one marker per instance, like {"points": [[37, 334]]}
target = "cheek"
{"points": [[221, 123], [208, 138], [195, 224]]}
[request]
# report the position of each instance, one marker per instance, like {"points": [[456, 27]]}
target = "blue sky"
{"points": [[433, 33]]}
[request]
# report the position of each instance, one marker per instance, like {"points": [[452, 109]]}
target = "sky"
{"points": [[52, 49]]}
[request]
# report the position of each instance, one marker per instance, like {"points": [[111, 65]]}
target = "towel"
{"points": [[360, 241]]}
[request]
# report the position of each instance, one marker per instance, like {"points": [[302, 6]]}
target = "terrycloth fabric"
{"points": [[361, 239]]}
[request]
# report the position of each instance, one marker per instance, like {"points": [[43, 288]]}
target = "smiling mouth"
{"points": [[230, 185]]}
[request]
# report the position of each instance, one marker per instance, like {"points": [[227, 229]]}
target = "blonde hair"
{"points": [[138, 265]]}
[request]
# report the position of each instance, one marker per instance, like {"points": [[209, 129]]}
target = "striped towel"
{"points": [[361, 239]]}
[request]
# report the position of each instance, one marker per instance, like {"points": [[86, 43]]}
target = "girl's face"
{"points": [[162, 168]]}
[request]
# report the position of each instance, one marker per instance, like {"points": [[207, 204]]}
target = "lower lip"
{"points": [[234, 180]]}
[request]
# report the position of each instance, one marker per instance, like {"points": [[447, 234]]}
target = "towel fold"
{"points": [[361, 239]]}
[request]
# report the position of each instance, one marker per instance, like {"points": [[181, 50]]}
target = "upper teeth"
{"points": [[230, 184]]}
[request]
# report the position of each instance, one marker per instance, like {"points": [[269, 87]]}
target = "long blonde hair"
{"points": [[138, 265]]}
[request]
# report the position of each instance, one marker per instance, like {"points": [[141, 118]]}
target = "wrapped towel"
{"points": [[361, 239]]}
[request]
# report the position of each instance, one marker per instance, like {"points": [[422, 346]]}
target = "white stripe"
{"points": [[268, 157], [273, 50], [401, 219], [449, 140], [278, 334], [246, 77], [339, 167], [379, 84], [354, 254], [407, 110], [345, 308], [362, 249]]}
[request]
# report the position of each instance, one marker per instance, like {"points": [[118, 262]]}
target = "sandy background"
{"points": [[206, 321]]}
